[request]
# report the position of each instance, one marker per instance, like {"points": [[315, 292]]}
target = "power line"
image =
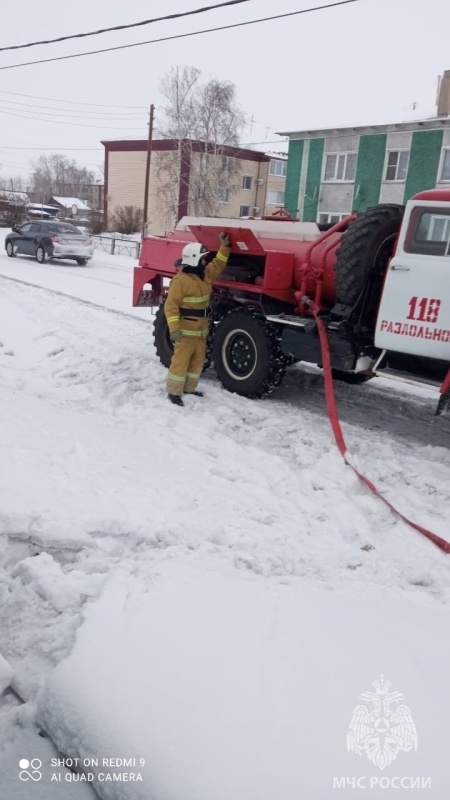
{"points": [[76, 124], [67, 102], [182, 35], [71, 111], [69, 115], [125, 27]]}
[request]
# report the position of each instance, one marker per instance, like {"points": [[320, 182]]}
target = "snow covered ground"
{"points": [[208, 589]]}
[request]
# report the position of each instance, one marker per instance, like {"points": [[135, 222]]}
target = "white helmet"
{"points": [[192, 254]]}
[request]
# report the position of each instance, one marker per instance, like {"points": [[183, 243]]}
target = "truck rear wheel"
{"points": [[247, 355], [163, 345], [365, 251]]}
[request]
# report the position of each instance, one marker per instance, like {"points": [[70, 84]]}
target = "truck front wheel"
{"points": [[246, 354]]}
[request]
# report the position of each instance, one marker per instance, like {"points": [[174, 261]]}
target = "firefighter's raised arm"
{"points": [[219, 263]]}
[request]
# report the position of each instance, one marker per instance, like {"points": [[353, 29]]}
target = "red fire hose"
{"points": [[339, 437]]}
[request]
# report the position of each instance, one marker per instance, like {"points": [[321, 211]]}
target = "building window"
{"points": [[245, 211], [227, 164], [275, 198], [331, 217], [223, 195], [278, 167], [397, 165], [247, 182], [204, 161], [340, 167], [445, 166]]}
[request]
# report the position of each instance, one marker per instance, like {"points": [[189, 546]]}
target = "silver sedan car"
{"points": [[50, 239]]}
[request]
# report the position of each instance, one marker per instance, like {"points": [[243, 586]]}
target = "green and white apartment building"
{"points": [[334, 172]]}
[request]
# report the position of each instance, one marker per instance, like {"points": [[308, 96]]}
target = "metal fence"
{"points": [[116, 246]]}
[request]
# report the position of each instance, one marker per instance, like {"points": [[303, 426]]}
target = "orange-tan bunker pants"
{"points": [[186, 365]]}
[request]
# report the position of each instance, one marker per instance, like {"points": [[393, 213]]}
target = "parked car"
{"points": [[49, 239]]}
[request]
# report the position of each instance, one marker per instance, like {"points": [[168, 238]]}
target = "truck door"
{"points": [[414, 313]]}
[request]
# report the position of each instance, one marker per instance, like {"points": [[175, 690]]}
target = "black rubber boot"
{"points": [[176, 399], [196, 394]]}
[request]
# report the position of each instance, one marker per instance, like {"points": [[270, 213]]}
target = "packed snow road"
{"points": [[105, 281], [110, 492]]}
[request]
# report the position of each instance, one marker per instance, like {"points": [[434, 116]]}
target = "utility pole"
{"points": [[147, 171]]}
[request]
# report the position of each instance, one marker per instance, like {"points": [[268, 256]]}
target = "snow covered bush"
{"points": [[126, 219]]}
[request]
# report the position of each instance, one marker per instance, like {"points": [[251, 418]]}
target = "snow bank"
{"points": [[236, 677], [233, 686]]}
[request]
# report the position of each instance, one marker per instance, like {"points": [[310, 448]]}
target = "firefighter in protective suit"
{"points": [[186, 310]]}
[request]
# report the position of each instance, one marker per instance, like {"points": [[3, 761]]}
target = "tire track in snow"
{"points": [[49, 268], [77, 299]]}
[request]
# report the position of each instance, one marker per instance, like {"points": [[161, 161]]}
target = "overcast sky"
{"points": [[367, 62]]}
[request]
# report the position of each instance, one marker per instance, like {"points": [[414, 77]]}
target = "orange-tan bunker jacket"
{"points": [[188, 291]]}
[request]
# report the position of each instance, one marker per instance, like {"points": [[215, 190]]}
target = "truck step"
{"points": [[305, 323], [422, 381]]}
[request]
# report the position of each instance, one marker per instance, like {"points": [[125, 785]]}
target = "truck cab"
{"points": [[414, 312]]}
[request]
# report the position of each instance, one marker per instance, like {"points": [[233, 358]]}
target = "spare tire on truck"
{"points": [[364, 253]]}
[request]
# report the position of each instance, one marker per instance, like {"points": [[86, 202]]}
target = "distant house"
{"points": [[8, 198], [95, 195], [71, 207], [13, 206], [42, 211]]}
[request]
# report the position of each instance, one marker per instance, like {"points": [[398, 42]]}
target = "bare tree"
{"points": [[55, 174], [203, 119], [126, 219], [12, 183]]}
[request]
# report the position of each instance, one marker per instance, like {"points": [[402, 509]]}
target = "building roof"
{"points": [[6, 194], [68, 202], [393, 127], [39, 206], [140, 145]]}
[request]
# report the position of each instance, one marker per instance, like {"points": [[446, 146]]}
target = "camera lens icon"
{"points": [[30, 770]]}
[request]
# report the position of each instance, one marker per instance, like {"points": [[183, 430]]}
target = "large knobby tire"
{"points": [[247, 355], [163, 345], [365, 251]]}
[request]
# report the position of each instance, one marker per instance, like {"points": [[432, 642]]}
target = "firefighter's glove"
{"points": [[176, 337], [225, 239]]}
